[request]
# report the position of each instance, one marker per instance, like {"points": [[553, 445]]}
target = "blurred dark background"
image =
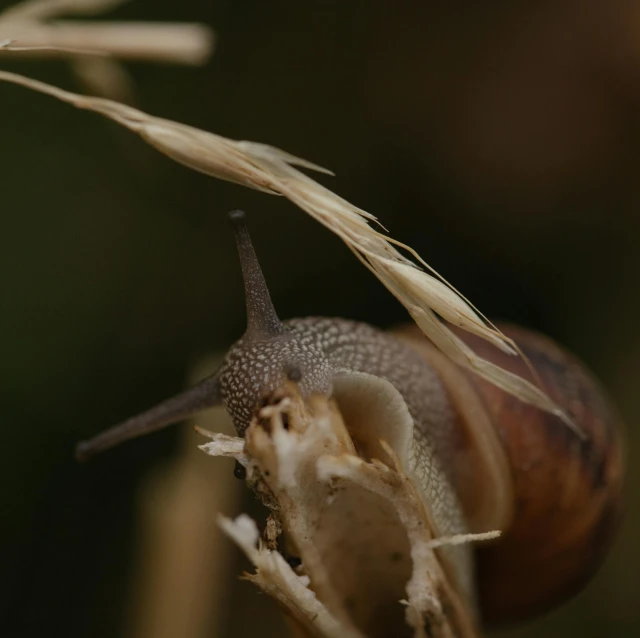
{"points": [[501, 140]]}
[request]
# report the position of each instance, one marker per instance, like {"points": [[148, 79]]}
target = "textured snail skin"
{"points": [[322, 350], [324, 353], [568, 492]]}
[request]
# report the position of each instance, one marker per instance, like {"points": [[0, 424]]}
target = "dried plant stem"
{"points": [[32, 28], [173, 43], [184, 564], [31, 10], [345, 516]]}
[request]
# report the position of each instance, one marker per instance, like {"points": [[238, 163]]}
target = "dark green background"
{"points": [[501, 141]]}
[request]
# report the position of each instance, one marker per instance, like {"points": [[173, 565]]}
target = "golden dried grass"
{"points": [[274, 171], [32, 28]]}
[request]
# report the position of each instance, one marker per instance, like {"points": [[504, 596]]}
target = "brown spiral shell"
{"points": [[567, 492]]}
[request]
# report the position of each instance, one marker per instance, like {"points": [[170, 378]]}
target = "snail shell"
{"points": [[561, 496]]}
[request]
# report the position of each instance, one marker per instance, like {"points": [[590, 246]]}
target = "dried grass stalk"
{"points": [[370, 565], [32, 10], [183, 566], [274, 171], [28, 29], [173, 43]]}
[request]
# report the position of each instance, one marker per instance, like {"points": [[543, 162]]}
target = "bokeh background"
{"points": [[500, 139]]}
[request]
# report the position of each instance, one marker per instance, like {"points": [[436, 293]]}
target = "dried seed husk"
{"points": [[361, 528]]}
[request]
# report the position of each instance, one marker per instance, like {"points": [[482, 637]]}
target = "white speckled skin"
{"points": [[319, 350], [253, 368]]}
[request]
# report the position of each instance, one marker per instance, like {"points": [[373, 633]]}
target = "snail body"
{"points": [[481, 459]]}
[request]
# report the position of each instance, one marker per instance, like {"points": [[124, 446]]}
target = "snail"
{"points": [[484, 460]]}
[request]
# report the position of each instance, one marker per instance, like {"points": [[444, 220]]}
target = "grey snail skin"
{"points": [[482, 459]]}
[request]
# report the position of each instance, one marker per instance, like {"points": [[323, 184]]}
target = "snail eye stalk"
{"points": [[262, 320]]}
